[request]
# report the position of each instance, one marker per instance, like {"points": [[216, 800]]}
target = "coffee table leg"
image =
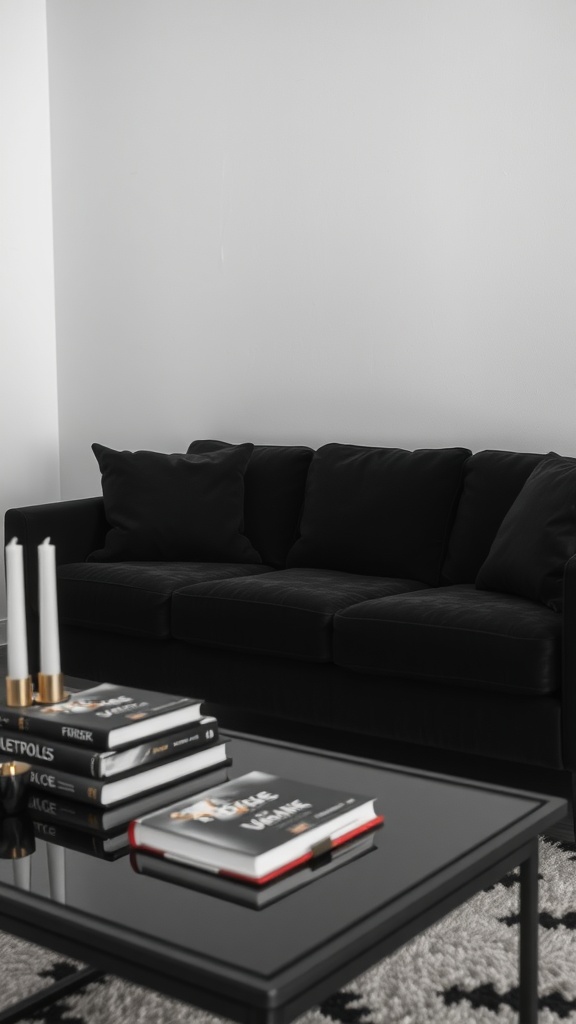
{"points": [[41, 999], [529, 938]]}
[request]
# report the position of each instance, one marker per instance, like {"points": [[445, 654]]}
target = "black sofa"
{"points": [[370, 599]]}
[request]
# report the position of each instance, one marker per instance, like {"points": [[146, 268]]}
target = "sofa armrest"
{"points": [[569, 666], [75, 527]]}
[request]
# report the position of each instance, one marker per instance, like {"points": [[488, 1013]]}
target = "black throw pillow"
{"points": [[273, 495], [379, 511], [537, 536], [174, 507]]}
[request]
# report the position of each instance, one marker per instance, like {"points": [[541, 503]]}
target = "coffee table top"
{"points": [[440, 834]]}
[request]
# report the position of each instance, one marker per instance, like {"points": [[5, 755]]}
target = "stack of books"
{"points": [[108, 754]]}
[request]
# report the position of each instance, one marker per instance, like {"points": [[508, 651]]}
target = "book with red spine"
{"points": [[256, 827], [178, 872]]}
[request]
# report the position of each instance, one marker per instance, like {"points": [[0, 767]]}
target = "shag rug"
{"points": [[462, 970]]}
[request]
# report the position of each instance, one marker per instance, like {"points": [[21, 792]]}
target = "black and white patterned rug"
{"points": [[463, 970]]}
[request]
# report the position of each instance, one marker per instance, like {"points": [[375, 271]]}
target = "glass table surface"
{"points": [[433, 825]]}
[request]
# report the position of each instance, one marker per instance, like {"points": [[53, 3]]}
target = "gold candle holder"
{"points": [[50, 688], [19, 692]]}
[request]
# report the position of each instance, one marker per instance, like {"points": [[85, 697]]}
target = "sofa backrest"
{"points": [[477, 496], [274, 484], [492, 481]]}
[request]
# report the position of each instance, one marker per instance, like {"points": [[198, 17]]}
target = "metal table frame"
{"points": [[297, 986]]}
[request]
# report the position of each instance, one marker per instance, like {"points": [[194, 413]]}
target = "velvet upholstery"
{"points": [[455, 634], [132, 597], [382, 511], [537, 537], [287, 613], [351, 705], [492, 481], [174, 507], [274, 484]]}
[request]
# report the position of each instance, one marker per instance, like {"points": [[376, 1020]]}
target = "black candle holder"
{"points": [[16, 838], [14, 782]]}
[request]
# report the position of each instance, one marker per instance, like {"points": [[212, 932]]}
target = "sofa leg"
{"points": [[572, 820]]}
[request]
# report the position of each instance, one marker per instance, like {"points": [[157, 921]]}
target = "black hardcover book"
{"points": [[255, 896], [104, 717], [140, 780], [43, 806], [105, 764], [255, 827], [109, 846]]}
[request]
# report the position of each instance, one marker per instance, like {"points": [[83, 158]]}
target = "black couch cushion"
{"points": [[274, 484], [132, 597], [383, 511], [537, 537], [454, 634], [174, 507], [492, 481], [287, 613]]}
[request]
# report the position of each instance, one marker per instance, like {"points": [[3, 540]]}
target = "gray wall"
{"points": [[29, 455], [312, 220]]}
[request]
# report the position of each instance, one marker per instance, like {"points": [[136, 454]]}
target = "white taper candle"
{"points": [[16, 601], [57, 872], [22, 871], [48, 603]]}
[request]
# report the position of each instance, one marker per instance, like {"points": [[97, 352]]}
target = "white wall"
{"points": [[312, 220], [29, 456]]}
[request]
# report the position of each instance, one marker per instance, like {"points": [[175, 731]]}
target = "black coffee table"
{"points": [[443, 840]]}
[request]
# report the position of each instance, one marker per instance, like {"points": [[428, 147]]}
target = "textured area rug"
{"points": [[462, 970]]}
